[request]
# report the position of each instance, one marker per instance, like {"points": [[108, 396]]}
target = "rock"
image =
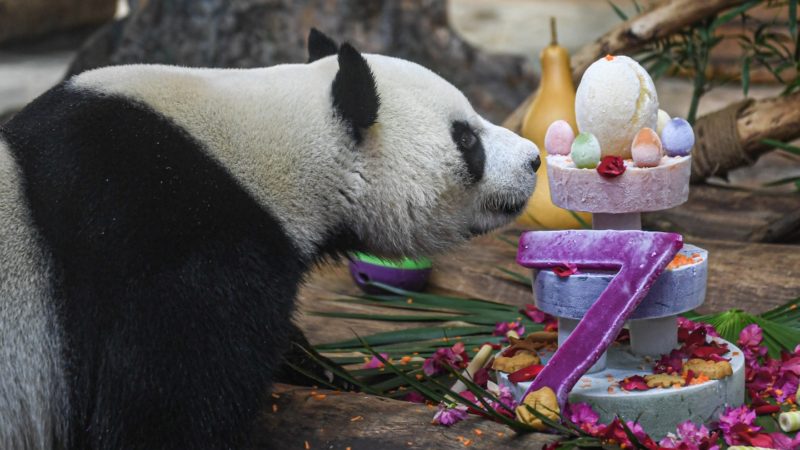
{"points": [[257, 33], [34, 18]]}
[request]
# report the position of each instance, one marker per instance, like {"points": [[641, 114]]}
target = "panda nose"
{"points": [[535, 163]]}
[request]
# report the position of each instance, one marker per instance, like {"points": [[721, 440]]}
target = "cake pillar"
{"points": [[653, 337], [624, 221]]}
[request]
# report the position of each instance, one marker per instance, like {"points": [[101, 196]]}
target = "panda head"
{"points": [[427, 172]]}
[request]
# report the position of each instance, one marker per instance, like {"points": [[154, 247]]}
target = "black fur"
{"points": [[320, 46], [355, 96], [174, 287], [471, 148]]}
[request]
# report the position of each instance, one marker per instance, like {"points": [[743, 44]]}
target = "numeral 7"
{"points": [[638, 256]]}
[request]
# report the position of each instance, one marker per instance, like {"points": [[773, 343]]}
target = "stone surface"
{"points": [[256, 33], [658, 410]]}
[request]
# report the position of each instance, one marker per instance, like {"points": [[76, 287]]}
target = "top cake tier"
{"points": [[636, 189], [629, 156]]}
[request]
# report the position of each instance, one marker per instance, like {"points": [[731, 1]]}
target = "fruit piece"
{"points": [[646, 148], [559, 137], [677, 137], [585, 151], [543, 401], [615, 99], [555, 100]]}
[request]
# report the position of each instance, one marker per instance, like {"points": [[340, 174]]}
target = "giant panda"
{"points": [[156, 222]]}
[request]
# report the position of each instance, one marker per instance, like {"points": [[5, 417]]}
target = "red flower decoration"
{"points": [[525, 374], [611, 166], [565, 270], [634, 383]]}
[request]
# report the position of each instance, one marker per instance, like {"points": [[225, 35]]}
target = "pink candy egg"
{"points": [[559, 137], [646, 148]]}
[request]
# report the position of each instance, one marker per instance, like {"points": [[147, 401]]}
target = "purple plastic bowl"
{"points": [[408, 279]]}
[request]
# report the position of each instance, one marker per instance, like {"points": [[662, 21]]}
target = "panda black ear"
{"points": [[355, 95], [319, 45]]}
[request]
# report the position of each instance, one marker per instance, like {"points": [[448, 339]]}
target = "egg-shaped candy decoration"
{"points": [[646, 148], [677, 137], [585, 151], [662, 120], [558, 138], [615, 99]]}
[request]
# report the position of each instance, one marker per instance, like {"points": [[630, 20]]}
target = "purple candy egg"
{"points": [[677, 137]]}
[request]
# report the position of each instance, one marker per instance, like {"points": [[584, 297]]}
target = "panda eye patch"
{"points": [[471, 148]]}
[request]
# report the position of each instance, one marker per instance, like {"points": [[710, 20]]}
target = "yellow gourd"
{"points": [[555, 99]]}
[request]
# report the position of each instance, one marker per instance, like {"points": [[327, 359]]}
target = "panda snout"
{"points": [[536, 162]]}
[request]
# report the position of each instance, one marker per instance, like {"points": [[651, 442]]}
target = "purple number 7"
{"points": [[639, 257]]}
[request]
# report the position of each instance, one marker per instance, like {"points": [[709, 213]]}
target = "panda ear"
{"points": [[355, 96], [319, 45]]}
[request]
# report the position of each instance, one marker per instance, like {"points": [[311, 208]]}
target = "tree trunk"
{"points": [[21, 19]]}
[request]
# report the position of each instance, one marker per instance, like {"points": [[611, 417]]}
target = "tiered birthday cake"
{"points": [[629, 157]]}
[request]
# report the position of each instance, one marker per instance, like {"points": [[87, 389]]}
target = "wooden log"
{"points": [[320, 419], [32, 18], [730, 214], [754, 277], [732, 137]]}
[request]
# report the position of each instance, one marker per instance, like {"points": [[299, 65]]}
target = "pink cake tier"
{"points": [[637, 189]]}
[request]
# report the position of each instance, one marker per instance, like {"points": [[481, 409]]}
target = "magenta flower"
{"points": [[455, 357], [784, 442], [750, 336], [450, 414], [506, 399], [634, 383], [690, 437], [687, 325], [375, 363], [502, 328], [538, 316], [582, 415], [414, 397], [670, 364], [734, 420]]}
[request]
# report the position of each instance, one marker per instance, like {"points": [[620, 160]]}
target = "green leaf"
{"points": [[515, 277], [781, 145], [584, 224], [746, 76], [401, 336], [620, 13], [782, 181], [731, 14]]}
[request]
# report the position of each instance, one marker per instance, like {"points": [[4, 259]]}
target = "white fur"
{"points": [[402, 189], [33, 397]]}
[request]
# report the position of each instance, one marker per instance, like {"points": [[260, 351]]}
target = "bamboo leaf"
{"points": [[730, 15], [620, 13], [400, 336], [746, 76], [781, 145]]}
